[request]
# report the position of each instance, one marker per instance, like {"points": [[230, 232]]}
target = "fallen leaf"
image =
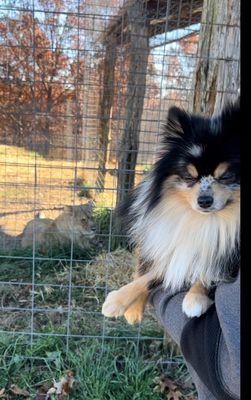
{"points": [[64, 386], [61, 388], [166, 383], [50, 391], [170, 386], [18, 391], [174, 395]]}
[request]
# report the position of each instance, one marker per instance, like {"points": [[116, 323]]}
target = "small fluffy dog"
{"points": [[76, 221], [184, 218]]}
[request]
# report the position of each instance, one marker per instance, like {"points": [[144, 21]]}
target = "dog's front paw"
{"points": [[113, 305], [195, 304], [134, 314]]}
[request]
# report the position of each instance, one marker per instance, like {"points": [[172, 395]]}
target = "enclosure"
{"points": [[85, 86]]}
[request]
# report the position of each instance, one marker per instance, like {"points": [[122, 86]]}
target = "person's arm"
{"points": [[210, 343]]}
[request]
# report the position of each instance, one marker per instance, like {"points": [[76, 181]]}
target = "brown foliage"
{"points": [[38, 75]]}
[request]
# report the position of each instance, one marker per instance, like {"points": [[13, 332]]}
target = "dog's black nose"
{"points": [[205, 201]]}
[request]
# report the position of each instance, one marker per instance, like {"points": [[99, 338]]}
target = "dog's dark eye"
{"points": [[188, 178], [228, 177]]}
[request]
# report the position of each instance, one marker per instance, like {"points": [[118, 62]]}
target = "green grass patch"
{"points": [[90, 281], [110, 372]]}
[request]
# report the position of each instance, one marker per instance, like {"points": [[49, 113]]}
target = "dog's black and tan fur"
{"points": [[185, 216]]}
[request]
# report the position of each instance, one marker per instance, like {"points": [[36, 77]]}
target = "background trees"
{"points": [[37, 76]]}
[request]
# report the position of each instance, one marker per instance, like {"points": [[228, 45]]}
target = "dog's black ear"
{"points": [[178, 122], [231, 118]]}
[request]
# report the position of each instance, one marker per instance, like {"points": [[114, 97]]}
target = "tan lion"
{"points": [[75, 223]]}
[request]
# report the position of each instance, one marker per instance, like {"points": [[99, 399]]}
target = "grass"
{"points": [[114, 372], [90, 282]]}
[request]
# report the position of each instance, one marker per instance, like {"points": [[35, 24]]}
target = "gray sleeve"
{"points": [[168, 309], [222, 321], [227, 302]]}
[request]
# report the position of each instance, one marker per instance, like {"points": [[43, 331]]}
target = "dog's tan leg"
{"points": [[118, 301], [196, 302], [135, 311]]}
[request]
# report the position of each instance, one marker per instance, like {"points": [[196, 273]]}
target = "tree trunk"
{"points": [[69, 138], [139, 52], [45, 148], [217, 77], [105, 110]]}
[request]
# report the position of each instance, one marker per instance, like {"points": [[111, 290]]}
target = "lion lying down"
{"points": [[75, 223]]}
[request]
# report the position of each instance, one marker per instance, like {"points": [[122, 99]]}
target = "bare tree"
{"points": [[139, 52], [217, 77], [106, 103]]}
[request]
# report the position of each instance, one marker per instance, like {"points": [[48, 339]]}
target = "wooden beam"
{"points": [[162, 15], [176, 39]]}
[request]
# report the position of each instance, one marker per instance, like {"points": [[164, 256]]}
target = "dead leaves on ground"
{"points": [[13, 390], [18, 391], [60, 390], [174, 395], [165, 384]]}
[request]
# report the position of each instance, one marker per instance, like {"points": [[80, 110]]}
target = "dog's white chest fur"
{"points": [[182, 244]]}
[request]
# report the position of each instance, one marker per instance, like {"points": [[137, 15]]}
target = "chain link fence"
{"points": [[84, 90]]}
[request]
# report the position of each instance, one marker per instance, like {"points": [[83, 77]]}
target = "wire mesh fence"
{"points": [[85, 88]]}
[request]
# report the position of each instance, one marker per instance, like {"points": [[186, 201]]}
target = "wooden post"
{"points": [[139, 52], [217, 77], [69, 132], [105, 109]]}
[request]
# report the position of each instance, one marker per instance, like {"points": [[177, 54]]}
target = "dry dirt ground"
{"points": [[19, 196]]}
